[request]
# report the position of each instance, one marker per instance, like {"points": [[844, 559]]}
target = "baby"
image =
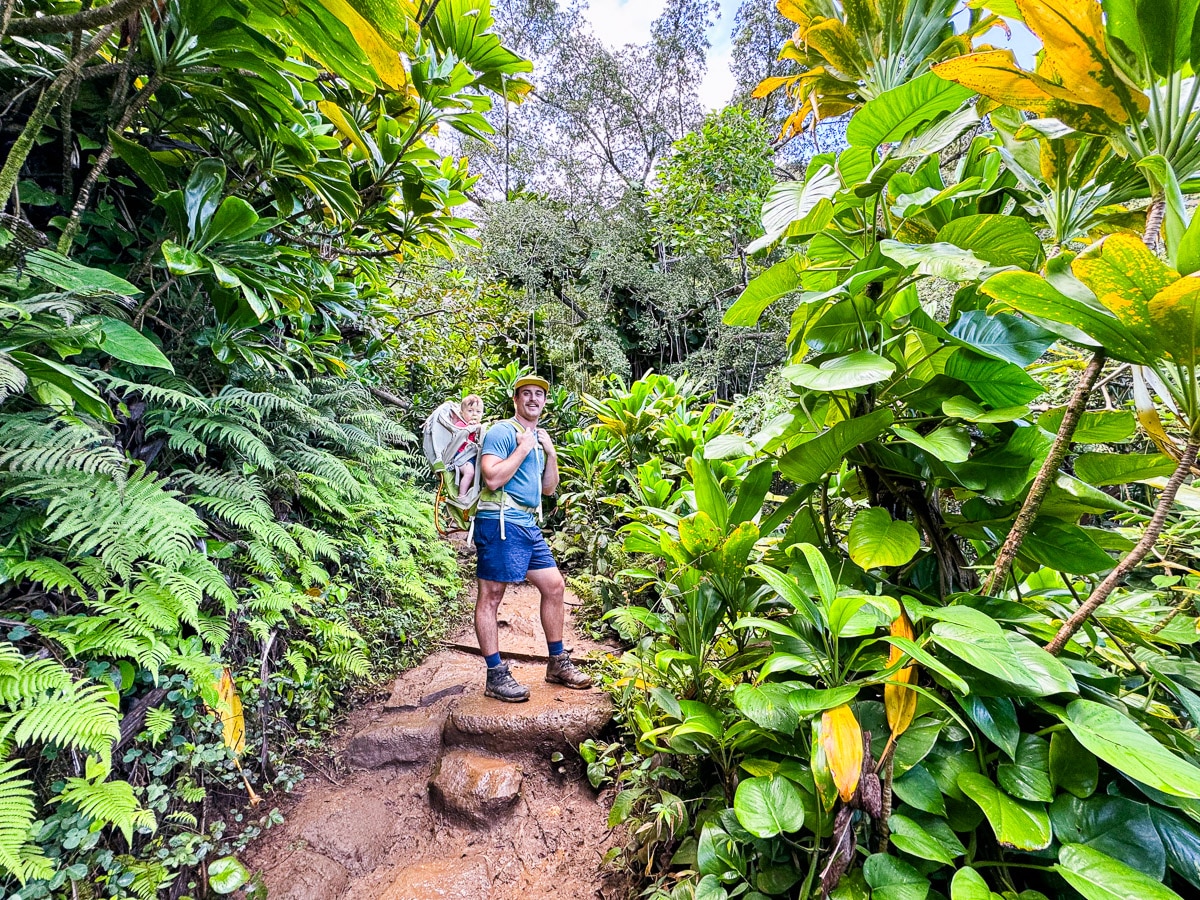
{"points": [[470, 414]]}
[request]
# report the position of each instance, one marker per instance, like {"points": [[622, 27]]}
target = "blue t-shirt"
{"points": [[526, 484]]}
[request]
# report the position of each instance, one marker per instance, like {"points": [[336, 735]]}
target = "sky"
{"points": [[620, 22]]}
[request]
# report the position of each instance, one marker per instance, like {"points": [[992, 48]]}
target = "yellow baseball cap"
{"points": [[532, 381]]}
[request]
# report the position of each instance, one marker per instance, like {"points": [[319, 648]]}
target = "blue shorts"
{"points": [[523, 550]]}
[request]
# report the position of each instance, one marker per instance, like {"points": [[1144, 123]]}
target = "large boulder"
{"points": [[474, 788]]}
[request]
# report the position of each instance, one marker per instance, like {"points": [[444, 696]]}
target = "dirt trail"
{"points": [[453, 795]]}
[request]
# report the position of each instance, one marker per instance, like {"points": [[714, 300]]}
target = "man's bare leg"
{"points": [[550, 585], [487, 607], [560, 669]]}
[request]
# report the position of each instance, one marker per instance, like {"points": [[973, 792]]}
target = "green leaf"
{"points": [[994, 654], [138, 158], [1098, 876], [841, 373], [809, 461], [752, 492], [233, 218], [1116, 826], [1017, 824], [877, 540], [918, 789], [1066, 547], [949, 444], [930, 662], [1121, 743], [124, 342], [1181, 842], [896, 113], [1187, 255], [964, 408], [1108, 426], [1002, 336], [699, 534], [710, 498], [1072, 767], [1034, 296], [968, 884], [807, 702], [1028, 777], [74, 388], [787, 588], [69, 275], [768, 806], [767, 706], [996, 718], [999, 240], [995, 381], [764, 289], [891, 878], [226, 875], [938, 260], [909, 836]]}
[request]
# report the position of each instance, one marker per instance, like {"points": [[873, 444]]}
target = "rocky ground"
{"points": [[449, 794]]}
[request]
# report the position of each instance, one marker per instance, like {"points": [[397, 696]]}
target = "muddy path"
{"points": [[439, 792]]}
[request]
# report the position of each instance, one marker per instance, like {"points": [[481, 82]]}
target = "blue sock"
{"points": [[492, 660], [555, 647]]}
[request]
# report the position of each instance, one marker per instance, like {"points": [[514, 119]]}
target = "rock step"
{"points": [[553, 719], [406, 737], [441, 879], [474, 788]]}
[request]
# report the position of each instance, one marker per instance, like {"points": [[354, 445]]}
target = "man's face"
{"points": [[530, 400]]}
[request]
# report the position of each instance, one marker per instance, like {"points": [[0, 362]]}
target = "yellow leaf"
{"points": [[1075, 55], [835, 42], [900, 701], [769, 85], [342, 123], [233, 722], [1148, 418], [795, 11], [995, 74], [1175, 313], [1125, 275], [842, 741], [384, 57]]}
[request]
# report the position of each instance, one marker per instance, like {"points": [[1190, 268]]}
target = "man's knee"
{"points": [[551, 585], [490, 594]]}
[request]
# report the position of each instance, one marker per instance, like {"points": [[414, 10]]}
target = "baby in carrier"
{"points": [[466, 457]]}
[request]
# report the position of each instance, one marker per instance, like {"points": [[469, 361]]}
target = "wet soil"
{"points": [[439, 792]]}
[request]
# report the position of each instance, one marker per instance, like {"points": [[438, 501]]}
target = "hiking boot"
{"points": [[560, 670], [502, 686]]}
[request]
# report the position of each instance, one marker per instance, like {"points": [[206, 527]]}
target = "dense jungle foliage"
{"points": [[919, 620], [211, 532]]}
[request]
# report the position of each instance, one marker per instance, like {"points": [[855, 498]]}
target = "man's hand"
{"points": [[526, 439], [544, 440]]}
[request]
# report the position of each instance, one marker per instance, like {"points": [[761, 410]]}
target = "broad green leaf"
{"points": [[752, 492], [877, 540], [1017, 824], [232, 220], [781, 279], [709, 496], [699, 534], [1187, 255], [896, 113], [891, 878], [995, 381], [1181, 842], [1108, 426], [996, 718], [728, 446], [769, 806], [1034, 296], [998, 240], [918, 653], [1072, 767], [69, 275], [182, 261], [66, 386], [949, 444], [967, 884], [124, 342], [1002, 336], [916, 742], [909, 836], [787, 588], [940, 260], [767, 706], [810, 701], [841, 373], [1028, 776], [810, 461], [964, 408], [1098, 876], [1121, 468], [918, 789], [138, 159], [710, 888], [994, 655], [717, 852], [1048, 671], [818, 568], [226, 875], [1116, 826], [1066, 547], [1121, 743]]}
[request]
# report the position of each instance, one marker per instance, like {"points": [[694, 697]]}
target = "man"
{"points": [[519, 464]]}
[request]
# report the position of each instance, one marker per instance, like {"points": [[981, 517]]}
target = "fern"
{"points": [[18, 855], [109, 802], [158, 722], [79, 716], [12, 378], [37, 443], [49, 574]]}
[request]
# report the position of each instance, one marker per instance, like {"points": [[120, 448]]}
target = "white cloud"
{"points": [[719, 83], [621, 22]]}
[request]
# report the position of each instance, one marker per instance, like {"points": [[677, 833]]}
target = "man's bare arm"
{"points": [[550, 475], [497, 472]]}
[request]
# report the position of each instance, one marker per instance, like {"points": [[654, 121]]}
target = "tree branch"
{"points": [[85, 20], [1046, 475], [1149, 537]]}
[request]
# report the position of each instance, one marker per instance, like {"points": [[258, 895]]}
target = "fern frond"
{"points": [[80, 716], [109, 802], [159, 721], [18, 856], [178, 394], [42, 444], [12, 378], [50, 574]]}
